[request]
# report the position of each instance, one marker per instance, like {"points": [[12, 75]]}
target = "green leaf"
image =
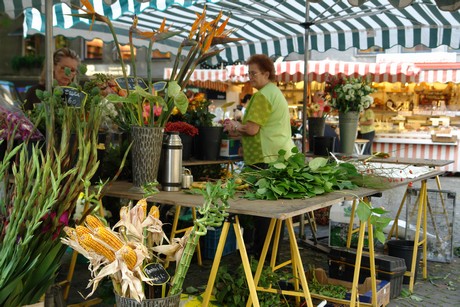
{"points": [[181, 102], [279, 165], [363, 211], [379, 235], [316, 163], [379, 210]]}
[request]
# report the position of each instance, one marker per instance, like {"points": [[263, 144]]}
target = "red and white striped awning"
{"points": [[439, 72], [293, 71], [214, 79]]}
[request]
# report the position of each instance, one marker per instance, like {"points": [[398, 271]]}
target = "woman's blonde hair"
{"points": [[58, 55]]}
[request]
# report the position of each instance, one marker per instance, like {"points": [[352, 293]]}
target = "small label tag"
{"points": [[157, 273], [73, 96], [132, 82]]}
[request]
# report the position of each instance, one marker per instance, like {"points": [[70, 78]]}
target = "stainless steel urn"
{"points": [[172, 153]]}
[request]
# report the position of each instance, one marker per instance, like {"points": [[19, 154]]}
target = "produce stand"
{"points": [[278, 211]]}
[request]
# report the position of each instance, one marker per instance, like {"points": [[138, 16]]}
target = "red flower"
{"points": [[181, 127]]}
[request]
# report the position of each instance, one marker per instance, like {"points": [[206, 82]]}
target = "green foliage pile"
{"points": [[294, 177], [232, 289]]}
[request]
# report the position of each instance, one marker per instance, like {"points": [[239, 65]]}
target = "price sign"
{"points": [[132, 82], [157, 273], [73, 96]]}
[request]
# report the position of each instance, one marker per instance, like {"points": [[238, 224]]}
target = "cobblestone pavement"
{"points": [[442, 288]]}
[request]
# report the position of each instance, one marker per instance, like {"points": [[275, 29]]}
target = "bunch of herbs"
{"points": [[294, 177]]}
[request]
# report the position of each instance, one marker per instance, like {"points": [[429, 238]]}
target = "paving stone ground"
{"points": [[442, 288]]}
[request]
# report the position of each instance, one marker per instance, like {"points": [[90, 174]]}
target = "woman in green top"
{"points": [[367, 129], [266, 126], [264, 130]]}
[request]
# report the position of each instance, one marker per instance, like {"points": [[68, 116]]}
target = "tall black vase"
{"points": [[187, 146], [207, 143], [315, 128]]}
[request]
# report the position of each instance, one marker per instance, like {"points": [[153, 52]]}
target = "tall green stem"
{"points": [[115, 41]]}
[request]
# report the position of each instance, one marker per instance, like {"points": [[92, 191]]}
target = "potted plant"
{"points": [[349, 96], [132, 253], [187, 133], [317, 111], [146, 109]]}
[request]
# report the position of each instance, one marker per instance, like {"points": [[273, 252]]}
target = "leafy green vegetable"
{"points": [[294, 177]]}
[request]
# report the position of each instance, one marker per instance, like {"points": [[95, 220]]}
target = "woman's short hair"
{"points": [[58, 55], [264, 63]]}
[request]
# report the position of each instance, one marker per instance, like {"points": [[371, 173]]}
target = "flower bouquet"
{"points": [[319, 106], [349, 94], [132, 253], [198, 111], [14, 124], [182, 128], [151, 106]]}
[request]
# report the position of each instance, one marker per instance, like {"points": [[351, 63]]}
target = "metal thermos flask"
{"points": [[172, 151]]}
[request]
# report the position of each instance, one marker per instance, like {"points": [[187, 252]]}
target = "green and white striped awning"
{"points": [[278, 27], [111, 8]]}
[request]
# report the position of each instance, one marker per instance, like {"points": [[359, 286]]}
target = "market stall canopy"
{"points": [[278, 28], [213, 79], [439, 72], [319, 70]]}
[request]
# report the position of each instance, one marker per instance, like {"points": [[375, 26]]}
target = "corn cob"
{"points": [[81, 230], [70, 232], [108, 237], [155, 212], [129, 256], [93, 222], [91, 245], [143, 204]]}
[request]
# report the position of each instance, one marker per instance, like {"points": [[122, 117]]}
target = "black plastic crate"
{"points": [[342, 266], [211, 240]]}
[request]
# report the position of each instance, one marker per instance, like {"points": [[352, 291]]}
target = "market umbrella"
{"points": [[55, 12], [279, 28]]}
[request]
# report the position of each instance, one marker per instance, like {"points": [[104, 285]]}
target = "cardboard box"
{"points": [[364, 290], [229, 148]]}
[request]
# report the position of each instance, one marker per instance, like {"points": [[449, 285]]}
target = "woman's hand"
{"points": [[232, 126]]}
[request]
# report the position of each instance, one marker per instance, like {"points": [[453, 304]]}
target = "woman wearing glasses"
{"points": [[266, 126], [66, 62], [264, 130]]}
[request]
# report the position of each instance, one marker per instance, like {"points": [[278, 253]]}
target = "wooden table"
{"points": [[277, 211]]}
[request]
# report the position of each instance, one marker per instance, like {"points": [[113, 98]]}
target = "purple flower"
{"points": [[11, 119]]}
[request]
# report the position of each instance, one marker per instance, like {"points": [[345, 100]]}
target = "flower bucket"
{"points": [[187, 146], [348, 125], [315, 128], [169, 301], [147, 142], [207, 143]]}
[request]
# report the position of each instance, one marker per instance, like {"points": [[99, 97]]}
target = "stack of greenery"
{"points": [[294, 177]]}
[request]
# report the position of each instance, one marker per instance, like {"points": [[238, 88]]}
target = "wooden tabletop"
{"points": [[279, 209]]}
